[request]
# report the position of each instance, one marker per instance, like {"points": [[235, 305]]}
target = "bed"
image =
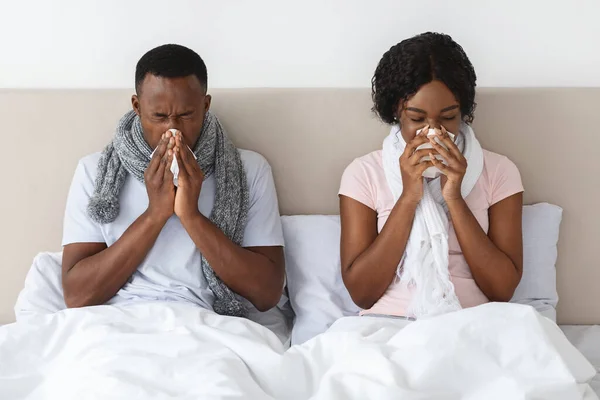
{"points": [[309, 136], [586, 338]]}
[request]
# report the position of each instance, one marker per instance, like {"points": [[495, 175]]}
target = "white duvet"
{"points": [[160, 351]]}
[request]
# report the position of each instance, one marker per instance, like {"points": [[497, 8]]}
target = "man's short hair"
{"points": [[170, 61]]}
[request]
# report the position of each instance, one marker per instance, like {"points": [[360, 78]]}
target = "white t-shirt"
{"points": [[171, 271]]}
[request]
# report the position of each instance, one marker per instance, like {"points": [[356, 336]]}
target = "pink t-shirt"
{"points": [[364, 181]]}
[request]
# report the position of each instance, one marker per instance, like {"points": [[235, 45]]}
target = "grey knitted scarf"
{"points": [[130, 153]]}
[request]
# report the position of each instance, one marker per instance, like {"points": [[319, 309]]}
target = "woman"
{"points": [[429, 230]]}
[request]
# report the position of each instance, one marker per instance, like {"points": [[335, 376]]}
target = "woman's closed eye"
{"points": [[452, 118], [449, 118]]}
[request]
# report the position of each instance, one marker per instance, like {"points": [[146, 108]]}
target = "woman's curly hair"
{"points": [[412, 63]]}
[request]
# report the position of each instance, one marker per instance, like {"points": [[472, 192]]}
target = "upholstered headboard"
{"points": [[309, 136]]}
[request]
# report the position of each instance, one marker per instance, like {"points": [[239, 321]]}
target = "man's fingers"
{"points": [[187, 157], [167, 174], [158, 154], [183, 172], [180, 148], [164, 164]]}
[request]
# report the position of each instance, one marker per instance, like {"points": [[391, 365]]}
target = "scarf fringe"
{"points": [[424, 266], [129, 153]]}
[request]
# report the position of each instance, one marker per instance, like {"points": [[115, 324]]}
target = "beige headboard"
{"points": [[309, 136]]}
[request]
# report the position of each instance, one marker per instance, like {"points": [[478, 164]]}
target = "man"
{"points": [[130, 234]]}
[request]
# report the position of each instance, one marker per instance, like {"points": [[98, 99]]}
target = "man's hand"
{"points": [[412, 168], [455, 170], [159, 180], [190, 182]]}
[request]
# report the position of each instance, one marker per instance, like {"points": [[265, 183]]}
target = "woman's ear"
{"points": [[398, 113]]}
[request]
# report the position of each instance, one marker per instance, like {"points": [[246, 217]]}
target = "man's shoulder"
{"points": [[87, 167], [90, 162], [255, 165]]}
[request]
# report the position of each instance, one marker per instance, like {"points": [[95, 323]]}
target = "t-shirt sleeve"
{"points": [[78, 227], [356, 184], [263, 226], [507, 181]]}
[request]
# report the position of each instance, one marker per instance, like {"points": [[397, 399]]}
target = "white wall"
{"points": [[279, 43]]}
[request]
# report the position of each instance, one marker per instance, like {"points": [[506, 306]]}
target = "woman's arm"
{"points": [[369, 260], [495, 259]]}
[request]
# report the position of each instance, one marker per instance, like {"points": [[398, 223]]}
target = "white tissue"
{"points": [[174, 165], [433, 172]]}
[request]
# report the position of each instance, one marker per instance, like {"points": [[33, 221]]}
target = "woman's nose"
{"points": [[434, 124]]}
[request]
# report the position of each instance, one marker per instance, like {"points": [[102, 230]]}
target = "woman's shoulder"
{"points": [[497, 164], [363, 178], [369, 162], [501, 176], [367, 168]]}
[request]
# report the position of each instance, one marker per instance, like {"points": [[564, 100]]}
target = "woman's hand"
{"points": [[455, 171], [412, 168]]}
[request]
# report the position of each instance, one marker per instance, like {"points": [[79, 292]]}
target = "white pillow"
{"points": [[312, 261], [42, 293], [319, 297], [541, 225]]}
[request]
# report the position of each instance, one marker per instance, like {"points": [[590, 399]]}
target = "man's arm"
{"points": [[256, 273], [93, 273]]}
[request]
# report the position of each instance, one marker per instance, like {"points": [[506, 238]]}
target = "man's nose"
{"points": [[174, 123]]}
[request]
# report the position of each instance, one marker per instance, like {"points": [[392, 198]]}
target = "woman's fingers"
{"points": [[452, 148], [441, 150], [440, 165], [423, 165], [416, 142], [419, 154]]}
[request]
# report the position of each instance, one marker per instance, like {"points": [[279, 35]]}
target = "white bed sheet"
{"points": [[494, 351], [586, 338]]}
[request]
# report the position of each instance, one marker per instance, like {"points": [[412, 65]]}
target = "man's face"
{"points": [[171, 103]]}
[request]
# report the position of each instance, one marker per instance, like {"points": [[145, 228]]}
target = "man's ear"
{"points": [[207, 100], [135, 103]]}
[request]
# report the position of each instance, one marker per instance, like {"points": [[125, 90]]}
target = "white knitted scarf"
{"points": [[424, 265]]}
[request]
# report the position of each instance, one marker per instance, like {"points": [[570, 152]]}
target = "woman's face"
{"points": [[433, 105]]}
